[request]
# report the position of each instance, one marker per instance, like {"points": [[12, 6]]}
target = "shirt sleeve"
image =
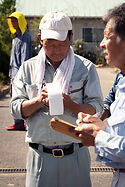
{"points": [[92, 90], [19, 94], [111, 147], [15, 58], [26, 48]]}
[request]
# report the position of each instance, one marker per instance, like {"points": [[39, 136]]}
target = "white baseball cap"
{"points": [[55, 25]]}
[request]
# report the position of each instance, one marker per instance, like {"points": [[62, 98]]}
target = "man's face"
{"points": [[56, 50], [15, 23], [114, 47]]}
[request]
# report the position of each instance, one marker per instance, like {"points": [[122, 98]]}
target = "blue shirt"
{"points": [[20, 52], [110, 144]]}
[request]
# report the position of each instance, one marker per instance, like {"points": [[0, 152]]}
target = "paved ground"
{"points": [[14, 149]]}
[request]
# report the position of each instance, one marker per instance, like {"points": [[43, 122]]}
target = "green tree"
{"points": [[6, 8], [79, 47], [34, 28]]}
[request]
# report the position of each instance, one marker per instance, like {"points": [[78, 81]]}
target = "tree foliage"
{"points": [[79, 47], [6, 8]]}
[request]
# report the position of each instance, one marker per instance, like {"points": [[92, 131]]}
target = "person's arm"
{"points": [[23, 103], [28, 107], [92, 95], [88, 128], [110, 146], [15, 57], [26, 47], [107, 102], [77, 107], [105, 114], [92, 132], [92, 89]]}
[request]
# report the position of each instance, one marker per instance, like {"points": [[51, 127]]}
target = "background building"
{"points": [[86, 16]]}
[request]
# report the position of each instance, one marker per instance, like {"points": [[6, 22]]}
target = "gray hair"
{"points": [[118, 15]]}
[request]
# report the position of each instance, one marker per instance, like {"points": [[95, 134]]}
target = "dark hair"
{"points": [[118, 15], [69, 33], [12, 17]]}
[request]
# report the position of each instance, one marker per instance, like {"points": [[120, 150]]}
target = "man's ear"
{"points": [[71, 36], [39, 36]]}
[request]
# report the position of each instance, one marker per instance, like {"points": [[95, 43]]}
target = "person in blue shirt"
{"points": [[109, 141], [20, 52]]}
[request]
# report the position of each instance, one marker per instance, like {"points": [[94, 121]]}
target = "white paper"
{"points": [[55, 98]]}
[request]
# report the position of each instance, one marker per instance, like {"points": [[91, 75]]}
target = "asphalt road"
{"points": [[14, 149]]}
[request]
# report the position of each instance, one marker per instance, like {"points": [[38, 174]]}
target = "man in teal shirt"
{"points": [[55, 159]]}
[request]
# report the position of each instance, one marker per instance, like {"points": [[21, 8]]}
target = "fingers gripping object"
{"points": [[98, 114]]}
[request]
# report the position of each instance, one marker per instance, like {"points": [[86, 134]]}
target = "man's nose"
{"points": [[56, 49], [102, 44]]}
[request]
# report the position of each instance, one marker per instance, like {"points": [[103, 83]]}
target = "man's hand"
{"points": [[28, 107], [44, 96], [77, 107], [67, 101], [105, 114], [88, 128]]}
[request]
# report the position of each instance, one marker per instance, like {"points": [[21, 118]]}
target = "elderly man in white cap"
{"points": [[56, 82]]}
